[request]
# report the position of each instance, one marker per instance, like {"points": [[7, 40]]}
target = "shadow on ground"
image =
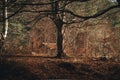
{"points": [[50, 68], [10, 70]]}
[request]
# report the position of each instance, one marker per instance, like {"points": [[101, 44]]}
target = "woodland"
{"points": [[59, 39]]}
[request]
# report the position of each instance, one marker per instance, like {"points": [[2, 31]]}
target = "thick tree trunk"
{"points": [[59, 43], [59, 24], [60, 52]]}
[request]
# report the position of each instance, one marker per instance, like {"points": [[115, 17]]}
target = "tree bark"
{"points": [[59, 42], [5, 27], [59, 25], [5, 22], [60, 52]]}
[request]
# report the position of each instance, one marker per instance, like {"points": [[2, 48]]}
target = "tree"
{"points": [[5, 25], [57, 15], [5, 15], [5, 22]]}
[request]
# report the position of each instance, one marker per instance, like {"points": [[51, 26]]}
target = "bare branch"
{"points": [[38, 11], [52, 2], [99, 13], [16, 12], [50, 12]]}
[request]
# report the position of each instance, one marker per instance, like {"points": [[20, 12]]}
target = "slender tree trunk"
{"points": [[5, 23], [5, 27]]}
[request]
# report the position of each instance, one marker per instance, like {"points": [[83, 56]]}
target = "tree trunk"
{"points": [[59, 42], [59, 24], [5, 26], [60, 52], [5, 22]]}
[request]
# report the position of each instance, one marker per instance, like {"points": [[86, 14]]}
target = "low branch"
{"points": [[50, 12], [37, 4], [48, 3], [16, 12], [38, 11], [99, 13]]}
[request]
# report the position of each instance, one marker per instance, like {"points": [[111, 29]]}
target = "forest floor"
{"points": [[48, 68]]}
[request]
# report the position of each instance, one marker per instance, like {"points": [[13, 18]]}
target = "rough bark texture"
{"points": [[59, 25]]}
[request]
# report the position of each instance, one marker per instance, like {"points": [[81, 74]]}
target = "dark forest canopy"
{"points": [[23, 6]]}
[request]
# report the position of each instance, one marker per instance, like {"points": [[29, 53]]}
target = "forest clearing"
{"points": [[48, 68], [59, 39]]}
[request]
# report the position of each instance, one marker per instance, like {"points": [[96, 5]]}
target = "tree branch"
{"points": [[16, 12], [99, 13], [52, 2]]}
